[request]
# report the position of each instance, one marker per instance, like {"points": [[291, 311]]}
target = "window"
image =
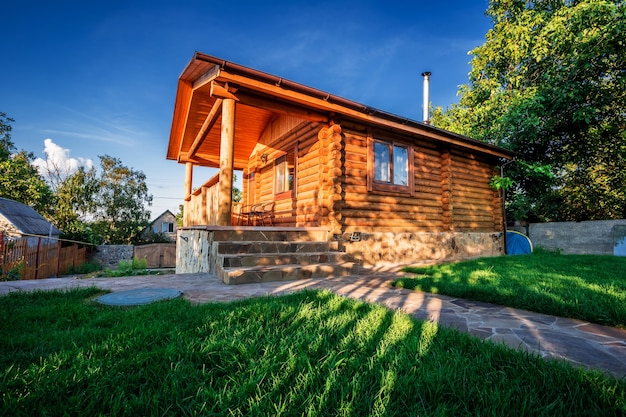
{"points": [[167, 227], [391, 167], [284, 174]]}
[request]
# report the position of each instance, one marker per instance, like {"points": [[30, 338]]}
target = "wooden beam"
{"points": [[210, 120], [188, 179], [227, 151], [273, 105], [220, 91], [207, 77], [181, 116]]}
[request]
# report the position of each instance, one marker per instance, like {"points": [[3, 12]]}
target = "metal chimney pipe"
{"points": [[426, 105]]}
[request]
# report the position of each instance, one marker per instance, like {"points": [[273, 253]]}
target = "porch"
{"points": [[249, 254], [201, 208]]}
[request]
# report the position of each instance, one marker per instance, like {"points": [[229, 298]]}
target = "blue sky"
{"points": [[99, 77]]}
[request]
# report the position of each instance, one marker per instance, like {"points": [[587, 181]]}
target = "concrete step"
{"points": [[288, 258], [248, 275]]}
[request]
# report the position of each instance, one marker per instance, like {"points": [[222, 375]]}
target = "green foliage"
{"points": [[237, 194], [76, 204], [87, 206], [179, 215], [85, 268], [19, 180], [14, 273], [152, 237], [549, 84], [306, 354], [585, 287], [121, 213], [104, 207], [127, 268]]}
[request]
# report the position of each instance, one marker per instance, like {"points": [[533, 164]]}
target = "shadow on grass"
{"points": [[591, 288], [310, 353]]}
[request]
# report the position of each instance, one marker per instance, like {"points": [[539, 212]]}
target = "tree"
{"points": [[19, 180], [180, 215], [550, 84], [76, 205], [104, 207], [120, 203]]}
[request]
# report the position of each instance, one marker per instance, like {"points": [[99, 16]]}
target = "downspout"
{"points": [[504, 222]]}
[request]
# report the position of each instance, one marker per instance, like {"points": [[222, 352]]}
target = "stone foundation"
{"points": [[193, 251], [196, 249], [406, 248]]}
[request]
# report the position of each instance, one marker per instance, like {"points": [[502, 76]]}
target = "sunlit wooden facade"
{"points": [[324, 161]]}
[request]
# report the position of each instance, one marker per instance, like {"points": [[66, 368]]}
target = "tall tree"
{"points": [[121, 202], [76, 205], [19, 180], [550, 84]]}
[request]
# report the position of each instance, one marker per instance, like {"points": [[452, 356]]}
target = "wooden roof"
{"points": [[195, 134]]}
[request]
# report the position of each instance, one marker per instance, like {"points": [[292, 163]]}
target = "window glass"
{"points": [[284, 173], [381, 162], [391, 167], [400, 165], [279, 172]]}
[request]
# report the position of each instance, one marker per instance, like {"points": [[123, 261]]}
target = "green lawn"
{"points": [[586, 287], [311, 353]]}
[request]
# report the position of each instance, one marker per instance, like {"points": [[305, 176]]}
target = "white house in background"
{"points": [[165, 224]]}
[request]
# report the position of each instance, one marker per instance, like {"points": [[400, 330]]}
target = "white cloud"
{"points": [[58, 161]]}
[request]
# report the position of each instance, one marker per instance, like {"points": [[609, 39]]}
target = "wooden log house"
{"points": [[377, 187]]}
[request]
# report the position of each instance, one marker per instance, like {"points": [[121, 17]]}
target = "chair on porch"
{"points": [[263, 212], [245, 214]]}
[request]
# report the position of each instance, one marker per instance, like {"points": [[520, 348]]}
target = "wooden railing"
{"points": [[200, 208], [38, 257]]}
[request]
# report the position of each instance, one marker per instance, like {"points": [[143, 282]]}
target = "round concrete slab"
{"points": [[138, 296]]}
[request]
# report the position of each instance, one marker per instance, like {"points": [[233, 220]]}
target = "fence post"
{"points": [[58, 258], [37, 257]]}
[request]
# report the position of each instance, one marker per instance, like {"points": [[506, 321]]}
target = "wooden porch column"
{"points": [[227, 148], [187, 198]]}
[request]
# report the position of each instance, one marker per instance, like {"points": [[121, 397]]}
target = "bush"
{"points": [[128, 268], [85, 268]]}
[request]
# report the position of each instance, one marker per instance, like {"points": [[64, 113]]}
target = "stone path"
{"points": [[581, 343]]}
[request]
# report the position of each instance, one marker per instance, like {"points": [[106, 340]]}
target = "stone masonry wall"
{"points": [[408, 248], [193, 249], [109, 256]]}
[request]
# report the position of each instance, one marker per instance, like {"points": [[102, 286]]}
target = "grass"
{"points": [[310, 353], [586, 287]]}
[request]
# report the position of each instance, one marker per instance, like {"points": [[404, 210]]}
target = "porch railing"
{"points": [[200, 208]]}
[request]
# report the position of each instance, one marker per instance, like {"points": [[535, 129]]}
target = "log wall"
{"points": [[451, 191], [284, 135], [451, 212]]}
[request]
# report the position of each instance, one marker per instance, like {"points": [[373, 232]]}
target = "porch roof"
{"points": [[196, 125]]}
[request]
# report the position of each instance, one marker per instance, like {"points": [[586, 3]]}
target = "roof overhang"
{"points": [[260, 97]]}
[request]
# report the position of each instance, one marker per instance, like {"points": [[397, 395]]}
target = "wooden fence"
{"points": [[38, 257], [157, 255]]}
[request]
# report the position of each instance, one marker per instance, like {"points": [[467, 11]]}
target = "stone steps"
{"points": [[289, 272], [250, 261]]}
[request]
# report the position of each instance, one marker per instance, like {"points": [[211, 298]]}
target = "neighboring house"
{"points": [[165, 224], [386, 188], [19, 220]]}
